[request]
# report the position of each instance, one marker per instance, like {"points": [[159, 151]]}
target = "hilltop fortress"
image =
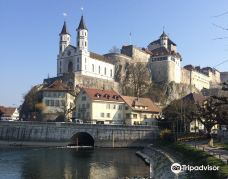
{"points": [[77, 66]]}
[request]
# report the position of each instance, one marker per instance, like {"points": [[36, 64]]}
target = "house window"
{"points": [[78, 60], [56, 102], [128, 116], [135, 116], [79, 115], [108, 106], [111, 73], [47, 102], [87, 114], [102, 114], [108, 115], [83, 106], [114, 106], [52, 102], [78, 68], [85, 44], [83, 98], [126, 107], [120, 107], [87, 105], [119, 116], [99, 69]]}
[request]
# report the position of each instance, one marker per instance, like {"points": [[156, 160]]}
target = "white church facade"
{"points": [[78, 60]]}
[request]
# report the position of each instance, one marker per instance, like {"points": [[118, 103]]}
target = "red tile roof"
{"points": [[7, 111], [103, 95], [146, 104]]}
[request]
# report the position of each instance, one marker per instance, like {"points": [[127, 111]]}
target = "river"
{"points": [[70, 163]]}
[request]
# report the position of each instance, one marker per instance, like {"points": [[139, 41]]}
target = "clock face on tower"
{"points": [[69, 53]]}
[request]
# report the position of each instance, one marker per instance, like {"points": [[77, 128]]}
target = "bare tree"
{"points": [[137, 79]]}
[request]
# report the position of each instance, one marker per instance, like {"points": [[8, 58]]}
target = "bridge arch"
{"points": [[82, 139]]}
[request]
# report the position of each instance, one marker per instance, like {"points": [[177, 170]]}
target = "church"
{"points": [[77, 66]]}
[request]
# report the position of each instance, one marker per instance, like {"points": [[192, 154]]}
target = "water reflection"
{"points": [[70, 163]]}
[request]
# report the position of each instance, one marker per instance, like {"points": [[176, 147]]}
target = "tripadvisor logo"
{"points": [[177, 168]]}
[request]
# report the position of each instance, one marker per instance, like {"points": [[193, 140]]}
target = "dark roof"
{"points": [[64, 29], [164, 51], [99, 57], [82, 24], [103, 95], [164, 34], [57, 85], [194, 98], [141, 104]]}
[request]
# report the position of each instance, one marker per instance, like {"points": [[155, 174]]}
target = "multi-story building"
{"points": [[108, 107], [9, 113], [58, 100], [99, 106], [200, 77], [140, 110]]}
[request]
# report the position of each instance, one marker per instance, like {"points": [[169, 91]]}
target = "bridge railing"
{"points": [[76, 124]]}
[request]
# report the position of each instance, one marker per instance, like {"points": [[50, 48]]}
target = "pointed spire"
{"points": [[82, 24], [163, 33], [64, 29]]}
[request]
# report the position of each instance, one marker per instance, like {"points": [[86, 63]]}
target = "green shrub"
{"points": [[167, 135]]}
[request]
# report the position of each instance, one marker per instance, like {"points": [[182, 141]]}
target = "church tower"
{"points": [[82, 37], [64, 38]]}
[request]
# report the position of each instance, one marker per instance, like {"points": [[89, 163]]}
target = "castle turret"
{"points": [[164, 40], [64, 38], [82, 37]]}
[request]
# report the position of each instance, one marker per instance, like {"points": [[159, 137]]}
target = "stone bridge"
{"points": [[64, 134]]}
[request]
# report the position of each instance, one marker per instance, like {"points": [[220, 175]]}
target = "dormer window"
{"points": [[98, 95]]}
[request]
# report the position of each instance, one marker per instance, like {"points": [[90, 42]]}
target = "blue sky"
{"points": [[29, 34]]}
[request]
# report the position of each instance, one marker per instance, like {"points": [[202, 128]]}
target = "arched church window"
{"points": [[105, 71], [93, 67], [70, 67]]}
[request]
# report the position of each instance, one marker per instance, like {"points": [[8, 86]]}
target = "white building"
{"points": [[78, 59], [9, 113], [100, 106], [165, 61], [58, 100], [108, 107]]}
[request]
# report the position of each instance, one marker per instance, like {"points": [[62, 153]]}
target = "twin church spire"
{"points": [[82, 36]]}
